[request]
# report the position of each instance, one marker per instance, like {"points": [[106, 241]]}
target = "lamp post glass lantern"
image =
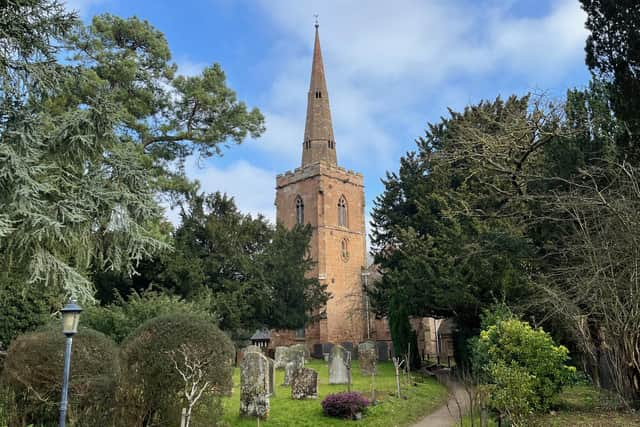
{"points": [[70, 319]]}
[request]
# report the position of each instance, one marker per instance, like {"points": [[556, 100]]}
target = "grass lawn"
{"points": [[581, 406], [390, 412]]}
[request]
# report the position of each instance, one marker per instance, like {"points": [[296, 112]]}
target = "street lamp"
{"points": [[70, 318]]}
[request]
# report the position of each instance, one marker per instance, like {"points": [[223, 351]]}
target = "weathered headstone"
{"points": [[254, 385], [272, 376], [367, 358], [281, 357], [339, 365], [304, 384], [300, 348], [294, 357], [252, 348], [292, 369]]}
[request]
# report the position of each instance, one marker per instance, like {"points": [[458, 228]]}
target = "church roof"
{"points": [[319, 141]]}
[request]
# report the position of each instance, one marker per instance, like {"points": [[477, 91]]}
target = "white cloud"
{"points": [[82, 6], [252, 188], [390, 68], [189, 68], [382, 60]]}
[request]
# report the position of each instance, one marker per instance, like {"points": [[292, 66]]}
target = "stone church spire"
{"points": [[319, 143]]}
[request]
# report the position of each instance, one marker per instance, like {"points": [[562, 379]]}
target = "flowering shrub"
{"points": [[345, 405]]}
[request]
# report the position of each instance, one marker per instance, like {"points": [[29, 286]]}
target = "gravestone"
{"points": [[254, 385], [292, 369], [252, 348], [305, 384], [295, 357], [281, 357], [339, 365], [272, 377], [383, 350], [300, 348], [368, 358]]}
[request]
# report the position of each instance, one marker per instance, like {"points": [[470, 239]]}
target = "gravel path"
{"points": [[448, 414]]}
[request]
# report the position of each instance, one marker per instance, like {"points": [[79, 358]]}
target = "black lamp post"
{"points": [[70, 318]]}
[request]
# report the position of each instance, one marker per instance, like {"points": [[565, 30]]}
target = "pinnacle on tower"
{"points": [[319, 144]]}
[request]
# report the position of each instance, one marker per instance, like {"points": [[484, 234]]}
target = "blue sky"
{"points": [[392, 67]]}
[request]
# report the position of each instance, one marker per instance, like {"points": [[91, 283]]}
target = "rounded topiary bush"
{"points": [[32, 377], [349, 405], [152, 390]]}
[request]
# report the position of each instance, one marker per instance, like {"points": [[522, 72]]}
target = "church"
{"points": [[331, 199]]}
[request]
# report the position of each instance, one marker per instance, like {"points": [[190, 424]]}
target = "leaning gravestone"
{"points": [[254, 385], [368, 358], [281, 357], [339, 365], [304, 384]]}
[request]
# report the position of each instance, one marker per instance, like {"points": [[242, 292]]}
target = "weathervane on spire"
{"points": [[316, 24]]}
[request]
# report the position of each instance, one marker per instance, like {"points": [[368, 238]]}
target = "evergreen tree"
{"points": [[613, 55], [253, 273], [87, 144]]}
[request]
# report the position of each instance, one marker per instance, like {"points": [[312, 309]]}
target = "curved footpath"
{"points": [[448, 414]]}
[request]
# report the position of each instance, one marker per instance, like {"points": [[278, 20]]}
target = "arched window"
{"points": [[299, 210], [344, 250], [342, 212]]}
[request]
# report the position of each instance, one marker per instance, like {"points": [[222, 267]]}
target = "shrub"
{"points": [[32, 377], [152, 390], [119, 319], [345, 405], [522, 365]]}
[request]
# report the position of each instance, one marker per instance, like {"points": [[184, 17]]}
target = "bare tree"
{"points": [[191, 364], [397, 363], [596, 290]]}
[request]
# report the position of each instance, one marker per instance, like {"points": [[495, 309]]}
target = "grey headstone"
{"points": [[252, 348], [254, 385], [302, 349], [305, 384], [368, 358], [293, 366], [383, 350], [281, 357], [339, 365], [272, 376]]}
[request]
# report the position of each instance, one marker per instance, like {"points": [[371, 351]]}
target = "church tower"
{"points": [[330, 199]]}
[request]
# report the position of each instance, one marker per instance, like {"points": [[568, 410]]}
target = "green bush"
{"points": [[152, 389], [32, 378], [523, 367], [119, 319]]}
